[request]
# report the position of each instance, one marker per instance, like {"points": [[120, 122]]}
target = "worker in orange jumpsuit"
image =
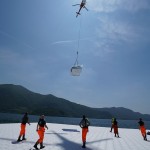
{"points": [[143, 129], [116, 128], [40, 130], [84, 124], [24, 121]]}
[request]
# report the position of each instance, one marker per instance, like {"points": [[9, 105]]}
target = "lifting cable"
{"points": [[76, 62]]}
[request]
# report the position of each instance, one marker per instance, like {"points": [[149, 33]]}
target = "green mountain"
{"points": [[124, 113], [17, 99]]}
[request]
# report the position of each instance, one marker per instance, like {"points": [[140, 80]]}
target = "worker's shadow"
{"points": [[66, 130], [54, 133], [69, 144], [70, 130], [65, 144], [14, 141]]}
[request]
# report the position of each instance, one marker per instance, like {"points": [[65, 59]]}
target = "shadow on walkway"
{"points": [[13, 140], [70, 130], [65, 144], [69, 144], [55, 133]]}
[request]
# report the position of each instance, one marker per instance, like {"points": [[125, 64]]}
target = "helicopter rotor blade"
{"points": [[85, 8], [75, 4]]}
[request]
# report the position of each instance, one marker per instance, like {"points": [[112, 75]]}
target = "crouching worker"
{"points": [[143, 129], [40, 130], [84, 124], [24, 121]]}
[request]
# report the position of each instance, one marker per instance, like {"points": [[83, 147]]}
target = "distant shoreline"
{"points": [[16, 118]]}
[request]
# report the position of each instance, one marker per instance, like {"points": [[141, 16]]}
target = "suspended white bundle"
{"points": [[76, 70]]}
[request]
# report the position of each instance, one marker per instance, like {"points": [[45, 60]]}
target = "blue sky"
{"points": [[39, 40]]}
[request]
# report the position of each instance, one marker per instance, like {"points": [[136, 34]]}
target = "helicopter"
{"points": [[82, 5]]}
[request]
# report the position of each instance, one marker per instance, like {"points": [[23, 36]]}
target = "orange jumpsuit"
{"points": [[84, 133], [41, 134], [23, 129], [84, 125], [143, 130], [115, 129], [41, 130]]}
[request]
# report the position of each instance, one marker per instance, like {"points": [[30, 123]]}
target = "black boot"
{"points": [[111, 129], [19, 138], [83, 145], [145, 138], [24, 137], [41, 145], [35, 146]]}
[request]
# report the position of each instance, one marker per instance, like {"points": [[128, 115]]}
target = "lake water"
{"points": [[16, 118]]}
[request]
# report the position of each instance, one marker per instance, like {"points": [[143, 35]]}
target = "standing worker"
{"points": [[25, 120], [143, 129], [40, 130], [84, 124], [116, 128]]}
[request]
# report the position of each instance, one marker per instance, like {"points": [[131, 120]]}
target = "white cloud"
{"points": [[112, 29], [113, 33], [117, 30], [63, 42], [112, 5], [71, 41]]}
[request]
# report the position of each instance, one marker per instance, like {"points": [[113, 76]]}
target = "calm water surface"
{"points": [[15, 118]]}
